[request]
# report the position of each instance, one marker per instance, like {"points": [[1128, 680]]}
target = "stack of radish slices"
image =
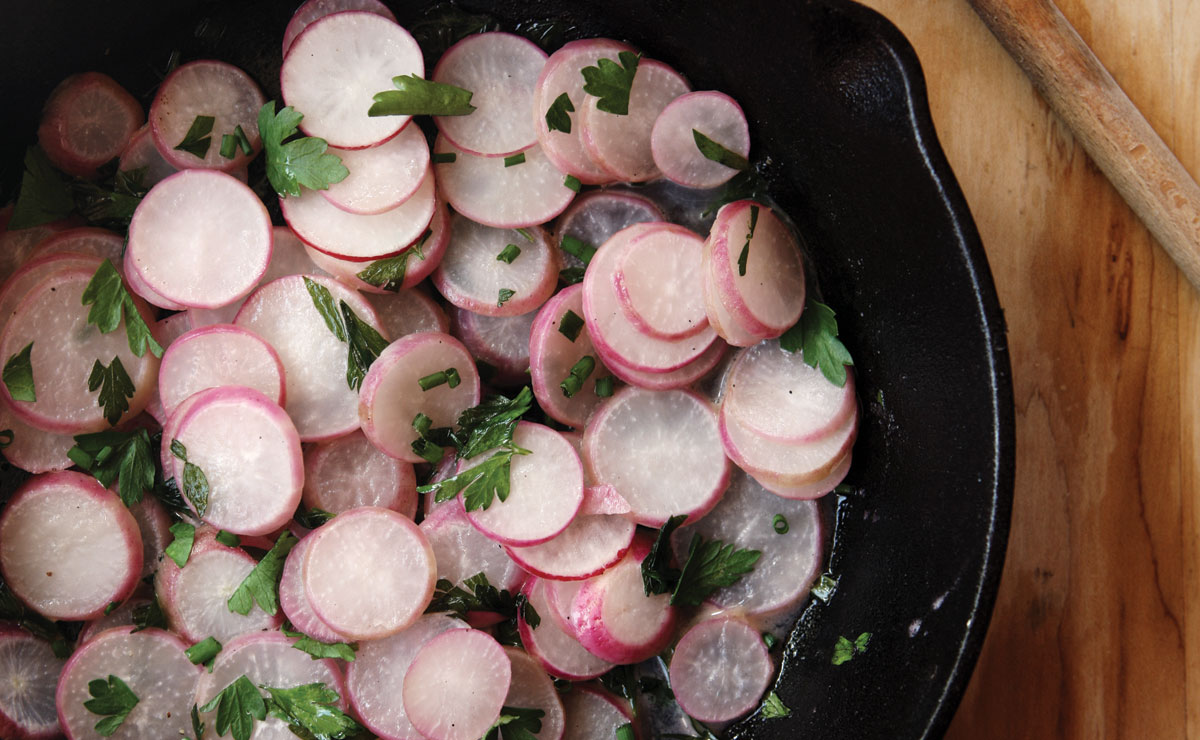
{"points": [[281, 453]]}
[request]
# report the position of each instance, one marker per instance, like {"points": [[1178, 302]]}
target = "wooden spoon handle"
{"points": [[1103, 118]]}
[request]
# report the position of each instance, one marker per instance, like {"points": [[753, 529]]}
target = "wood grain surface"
{"points": [[1092, 632]]}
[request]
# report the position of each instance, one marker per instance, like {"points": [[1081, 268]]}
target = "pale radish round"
{"points": [[815, 489], [16, 244], [357, 237], [787, 463], [200, 239], [633, 434], [322, 405], [313, 10], [559, 595], [552, 354], [255, 476], [657, 280], [602, 499], [87, 121], [678, 378], [68, 547], [546, 489], [673, 143], [154, 667], [500, 191], [720, 670], [531, 688], [37, 269], [141, 154], [334, 68], [349, 472], [588, 546], [206, 88], [86, 240], [471, 277], [139, 287], [409, 311], [456, 685], [614, 618], [294, 602], [562, 74], [593, 714], [166, 330], [500, 341], [369, 573], [212, 356], [462, 551], [154, 525], [595, 216], [620, 144], [375, 679], [32, 449], [391, 395], [500, 70], [383, 176], [557, 650], [27, 685], [770, 295], [732, 328]]}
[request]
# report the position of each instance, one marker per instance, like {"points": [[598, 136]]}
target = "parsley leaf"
{"points": [[317, 649], [516, 723], [774, 708], [505, 294], [109, 301], [295, 162], [844, 649], [113, 698], [110, 204], [115, 386], [197, 725], [557, 115], [710, 565], [815, 335], [364, 342], [45, 195], [18, 375], [180, 548], [745, 253], [195, 482], [12, 610], [492, 423], [197, 140], [717, 153], [114, 455], [481, 484], [415, 96], [237, 705], [658, 577], [262, 585], [476, 594], [312, 518], [203, 652], [311, 711], [228, 539], [388, 273], [149, 615], [611, 82]]}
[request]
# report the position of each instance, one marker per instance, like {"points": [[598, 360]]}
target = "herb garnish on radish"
{"points": [[230, 143], [745, 253], [710, 565], [388, 273], [198, 138], [364, 342], [573, 383], [203, 652], [505, 294], [557, 118], [18, 375], [508, 254], [317, 649], [476, 594], [180, 548], [195, 483], [515, 159], [611, 82], [112, 455], [516, 723], [237, 705], [717, 153], [228, 539], [294, 162], [262, 585], [311, 711], [111, 699], [115, 386], [570, 325], [415, 96], [816, 335], [110, 302]]}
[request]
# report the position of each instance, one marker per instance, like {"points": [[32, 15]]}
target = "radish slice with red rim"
{"points": [[87, 240], [383, 176], [409, 311], [32, 449], [313, 10], [553, 354], [154, 524], [657, 280], [591, 544], [293, 600], [349, 472], [670, 380], [462, 551], [556, 649], [87, 121], [730, 327], [815, 489], [456, 685], [206, 88], [787, 464], [720, 669], [212, 356], [673, 143], [139, 287], [595, 216], [593, 714], [31, 672], [531, 688], [470, 276], [17, 244], [166, 330], [122, 616], [519, 191], [141, 154], [27, 277], [500, 341], [334, 68]]}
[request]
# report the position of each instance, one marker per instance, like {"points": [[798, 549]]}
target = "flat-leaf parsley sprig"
{"points": [[292, 160]]}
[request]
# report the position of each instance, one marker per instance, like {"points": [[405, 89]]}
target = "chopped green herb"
{"points": [[237, 705], [110, 303], [365, 343], [441, 377], [312, 518], [110, 201], [816, 336], [262, 585], [580, 371], [505, 294], [578, 248], [445, 157], [824, 587], [415, 96], [780, 524], [516, 723], [570, 325], [243, 141], [311, 711], [229, 146], [112, 455], [558, 116], [845, 650], [745, 185], [571, 275], [317, 649], [611, 82], [195, 482], [45, 193], [572, 183], [769, 640], [12, 610], [203, 652], [113, 700], [115, 388], [658, 577], [147, 616], [197, 139], [745, 254], [625, 732], [452, 377], [228, 539], [111, 605], [294, 161], [180, 548], [526, 234], [604, 386], [774, 708], [508, 254], [480, 484], [430, 443], [197, 725], [515, 159], [389, 273], [710, 565], [18, 375], [717, 153], [478, 595]]}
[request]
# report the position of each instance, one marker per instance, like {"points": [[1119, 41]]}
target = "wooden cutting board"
{"points": [[1096, 630]]}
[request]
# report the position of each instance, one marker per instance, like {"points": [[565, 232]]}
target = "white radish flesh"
{"points": [[732, 328], [783, 463], [593, 714], [139, 287], [658, 283], [596, 215], [16, 244], [221, 354], [514, 192], [591, 544], [673, 143], [87, 121], [557, 650], [381, 177], [27, 686], [552, 355], [87, 240], [141, 154], [531, 688], [206, 88], [154, 524], [68, 547], [500, 341], [815, 489], [313, 10], [471, 277], [456, 685], [349, 472], [27, 277], [166, 330], [409, 311], [462, 551], [720, 670], [294, 601], [679, 378], [768, 295], [34, 450]]}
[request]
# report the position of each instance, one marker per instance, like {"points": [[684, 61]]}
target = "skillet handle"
{"points": [[1110, 127]]}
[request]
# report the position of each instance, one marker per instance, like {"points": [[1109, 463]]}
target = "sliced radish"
{"points": [[456, 685], [500, 70], [678, 378], [514, 192], [562, 75], [334, 68], [593, 714], [199, 238], [392, 395], [590, 545], [559, 596], [462, 551], [409, 311], [18, 285], [768, 295], [471, 277], [15, 245], [814, 489], [596, 215], [557, 650], [322, 405], [552, 355], [293, 600], [731, 327], [313, 10], [603, 499], [785, 464], [673, 143], [87, 121], [166, 330], [720, 669], [139, 287], [154, 525], [154, 667], [206, 88], [222, 354], [658, 283], [546, 489], [349, 472], [375, 679], [27, 685], [86, 240], [32, 449], [381, 177], [357, 237], [620, 144], [500, 341], [122, 616], [531, 688], [636, 432], [141, 154]]}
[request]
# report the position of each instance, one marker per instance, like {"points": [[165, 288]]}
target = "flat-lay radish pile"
{"points": [[284, 485]]}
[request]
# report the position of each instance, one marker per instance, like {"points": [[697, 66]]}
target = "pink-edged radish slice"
{"points": [[546, 489], [614, 618], [255, 476], [294, 602], [139, 287], [746, 518], [154, 524], [409, 311], [471, 277], [673, 143], [221, 354], [552, 355], [32, 449], [500, 70], [313, 10], [522, 190], [166, 330], [15, 245], [443, 470], [200, 239], [456, 685], [206, 88], [593, 714], [620, 144], [392, 395], [769, 296], [500, 341], [815, 489], [787, 464], [603, 499], [678, 378], [732, 328], [375, 680], [357, 237], [462, 551], [88, 240], [563, 75], [68, 547], [322, 405], [658, 283], [596, 215], [349, 472], [335, 67], [152, 664], [559, 596], [141, 154], [195, 598], [65, 349], [122, 616], [369, 573], [267, 659], [27, 686], [556, 649], [18, 285], [531, 688], [381, 177], [720, 669], [633, 434], [591, 544], [775, 393], [87, 121]]}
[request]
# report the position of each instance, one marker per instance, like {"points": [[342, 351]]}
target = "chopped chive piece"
{"points": [[229, 539], [452, 377], [197, 140], [625, 732], [508, 254], [780, 523], [203, 652], [505, 294], [229, 146], [525, 233], [717, 153], [422, 423], [243, 140], [578, 248], [518, 158], [604, 386], [570, 325], [769, 640], [433, 380], [444, 157], [572, 182], [749, 235], [111, 605], [571, 275], [579, 373]]}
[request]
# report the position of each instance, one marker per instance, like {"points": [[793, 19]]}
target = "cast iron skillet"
{"points": [[840, 121]]}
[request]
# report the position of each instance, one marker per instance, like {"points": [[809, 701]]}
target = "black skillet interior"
{"points": [[840, 125]]}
